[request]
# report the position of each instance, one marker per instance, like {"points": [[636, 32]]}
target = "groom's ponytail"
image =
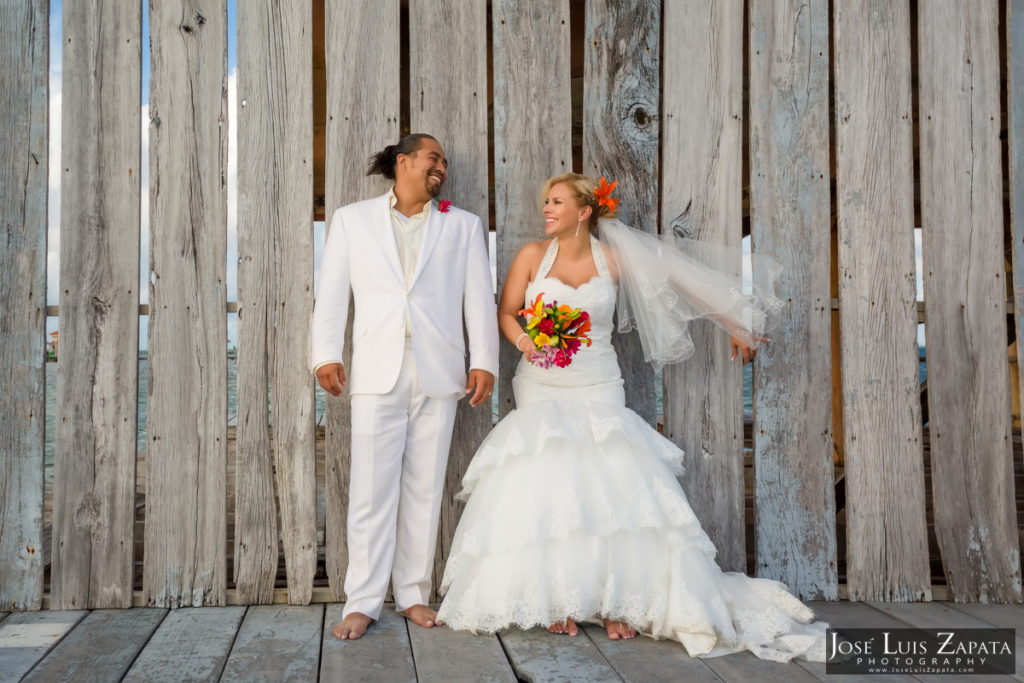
{"points": [[384, 161]]}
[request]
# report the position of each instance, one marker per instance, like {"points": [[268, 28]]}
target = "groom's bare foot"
{"points": [[618, 630], [422, 616], [567, 626], [352, 626]]}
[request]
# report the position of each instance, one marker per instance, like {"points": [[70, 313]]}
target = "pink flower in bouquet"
{"points": [[547, 326], [561, 358], [572, 345]]}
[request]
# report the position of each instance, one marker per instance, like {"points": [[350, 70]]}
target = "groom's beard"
{"points": [[433, 189]]}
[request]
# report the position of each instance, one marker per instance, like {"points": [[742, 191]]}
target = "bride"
{"points": [[574, 511]]}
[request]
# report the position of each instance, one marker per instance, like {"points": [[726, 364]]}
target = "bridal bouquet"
{"points": [[558, 332]]}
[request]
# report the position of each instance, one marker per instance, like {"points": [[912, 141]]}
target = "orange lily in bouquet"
{"points": [[558, 331]]}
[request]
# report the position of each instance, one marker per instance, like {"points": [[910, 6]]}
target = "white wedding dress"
{"points": [[574, 510]]}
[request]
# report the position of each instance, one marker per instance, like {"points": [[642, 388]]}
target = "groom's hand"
{"points": [[480, 385], [331, 378]]}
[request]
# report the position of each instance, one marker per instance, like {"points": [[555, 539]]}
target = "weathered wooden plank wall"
{"points": [[97, 377], [532, 132], [186, 535], [621, 114], [24, 62], [887, 543], [701, 198], [962, 228], [275, 279], [451, 104], [697, 130], [362, 117], [789, 221]]}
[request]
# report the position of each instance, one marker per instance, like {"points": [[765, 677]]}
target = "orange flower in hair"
{"points": [[604, 194]]}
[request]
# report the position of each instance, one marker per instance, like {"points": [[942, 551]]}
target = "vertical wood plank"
{"points": [[1015, 126], [185, 559], [532, 132], [97, 376], [24, 59], [291, 387], [620, 140], [362, 118], [450, 103], [701, 199], [789, 210], [965, 295], [275, 300], [887, 550], [256, 533]]}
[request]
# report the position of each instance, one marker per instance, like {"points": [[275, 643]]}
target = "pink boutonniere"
{"points": [[444, 205]]}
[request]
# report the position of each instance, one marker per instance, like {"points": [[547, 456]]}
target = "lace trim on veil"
{"points": [[666, 282]]}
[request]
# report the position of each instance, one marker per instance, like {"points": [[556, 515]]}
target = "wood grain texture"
{"points": [[744, 666], [361, 121], [277, 643], [621, 110], [97, 376], [384, 655], [965, 300], [191, 644], [1014, 22], [275, 294], [537, 655], [26, 637], [789, 216], [449, 101], [24, 61], [887, 549], [104, 645], [186, 535], [642, 659], [479, 657], [532, 132], [701, 199]]}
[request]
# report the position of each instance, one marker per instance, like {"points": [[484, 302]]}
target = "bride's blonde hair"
{"points": [[583, 187]]}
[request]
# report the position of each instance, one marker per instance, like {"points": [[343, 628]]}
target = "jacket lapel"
{"points": [[431, 233]]}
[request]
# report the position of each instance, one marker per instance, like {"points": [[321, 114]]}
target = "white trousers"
{"points": [[400, 444]]}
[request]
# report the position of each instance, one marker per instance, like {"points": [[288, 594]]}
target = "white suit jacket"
{"points": [[452, 279]]}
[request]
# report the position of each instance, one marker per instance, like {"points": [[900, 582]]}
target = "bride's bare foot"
{"points": [[618, 630], [567, 626], [422, 616], [352, 626]]}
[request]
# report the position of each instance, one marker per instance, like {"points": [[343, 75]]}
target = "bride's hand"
{"points": [[739, 348], [526, 345]]}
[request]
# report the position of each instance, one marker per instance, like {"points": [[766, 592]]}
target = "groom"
{"points": [[415, 269]]}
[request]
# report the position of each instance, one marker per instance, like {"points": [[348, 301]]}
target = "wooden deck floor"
{"points": [[279, 642]]}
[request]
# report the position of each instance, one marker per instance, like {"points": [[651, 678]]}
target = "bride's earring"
{"points": [[578, 224]]}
